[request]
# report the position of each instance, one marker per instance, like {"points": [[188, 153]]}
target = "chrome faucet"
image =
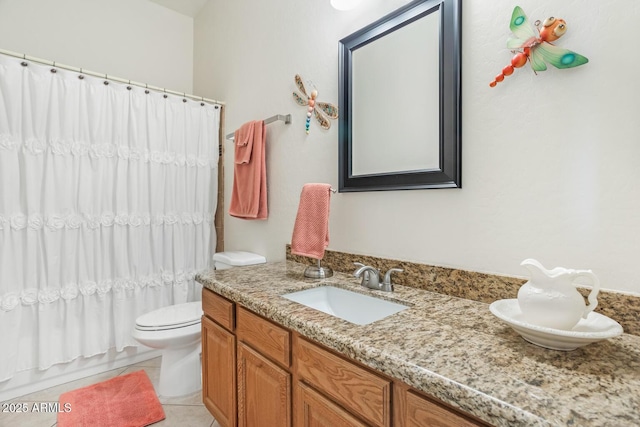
{"points": [[371, 277]]}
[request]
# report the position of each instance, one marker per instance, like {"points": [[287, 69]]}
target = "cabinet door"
{"points": [[218, 372], [315, 410], [264, 391]]}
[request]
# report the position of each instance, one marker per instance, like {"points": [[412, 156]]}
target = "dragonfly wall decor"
{"points": [[533, 44], [322, 111]]}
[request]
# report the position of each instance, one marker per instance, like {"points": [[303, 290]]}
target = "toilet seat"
{"points": [[171, 317]]}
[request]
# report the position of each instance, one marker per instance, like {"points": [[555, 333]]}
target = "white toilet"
{"points": [[176, 330]]}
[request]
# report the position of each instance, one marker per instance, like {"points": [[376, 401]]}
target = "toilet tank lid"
{"points": [[239, 258], [172, 315]]}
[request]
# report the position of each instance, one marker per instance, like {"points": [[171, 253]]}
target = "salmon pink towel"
{"points": [[249, 192], [311, 230]]}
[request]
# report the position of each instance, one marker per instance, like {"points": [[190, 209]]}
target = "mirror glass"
{"points": [[400, 100], [411, 57]]}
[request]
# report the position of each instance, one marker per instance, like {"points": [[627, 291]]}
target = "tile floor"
{"points": [[180, 412]]}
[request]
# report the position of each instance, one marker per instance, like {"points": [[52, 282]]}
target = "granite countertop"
{"points": [[455, 350]]}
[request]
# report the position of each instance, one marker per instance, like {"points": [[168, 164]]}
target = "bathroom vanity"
{"points": [[282, 376], [444, 361]]}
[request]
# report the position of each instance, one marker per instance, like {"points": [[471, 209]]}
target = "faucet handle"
{"points": [[386, 284]]}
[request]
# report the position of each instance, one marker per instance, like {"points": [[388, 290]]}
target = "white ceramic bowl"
{"points": [[596, 327]]}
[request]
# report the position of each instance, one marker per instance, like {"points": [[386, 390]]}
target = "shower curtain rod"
{"points": [[106, 76]]}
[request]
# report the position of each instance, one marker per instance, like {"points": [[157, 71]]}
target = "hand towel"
{"points": [[311, 229], [243, 140], [249, 192]]}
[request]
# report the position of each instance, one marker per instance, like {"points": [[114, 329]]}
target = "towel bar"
{"points": [[285, 118]]}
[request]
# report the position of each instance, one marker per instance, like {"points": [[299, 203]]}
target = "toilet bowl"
{"points": [[176, 330]]}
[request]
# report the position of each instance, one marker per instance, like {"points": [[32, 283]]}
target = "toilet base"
{"points": [[180, 371]]}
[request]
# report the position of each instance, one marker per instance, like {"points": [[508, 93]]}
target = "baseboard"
{"points": [[30, 381]]}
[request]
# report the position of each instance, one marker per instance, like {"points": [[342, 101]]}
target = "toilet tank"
{"points": [[224, 260]]}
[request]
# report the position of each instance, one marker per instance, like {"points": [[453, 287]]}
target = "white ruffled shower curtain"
{"points": [[107, 198]]}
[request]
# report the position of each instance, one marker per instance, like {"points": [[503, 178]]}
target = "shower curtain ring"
{"points": [[80, 76]]}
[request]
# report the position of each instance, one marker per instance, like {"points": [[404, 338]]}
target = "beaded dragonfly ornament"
{"points": [[533, 44], [322, 111]]}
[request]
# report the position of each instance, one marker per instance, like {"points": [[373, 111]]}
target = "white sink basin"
{"points": [[350, 306]]}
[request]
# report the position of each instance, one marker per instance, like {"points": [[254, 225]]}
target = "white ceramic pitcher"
{"points": [[550, 298]]}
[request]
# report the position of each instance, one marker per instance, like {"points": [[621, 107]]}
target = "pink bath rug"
{"points": [[123, 401]]}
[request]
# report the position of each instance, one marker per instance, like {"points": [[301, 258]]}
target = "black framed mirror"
{"points": [[400, 100]]}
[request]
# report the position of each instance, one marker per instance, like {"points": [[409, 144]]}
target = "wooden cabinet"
{"points": [[413, 409], [245, 366], [264, 391], [218, 372], [270, 339], [219, 309], [349, 385], [264, 381], [315, 410], [258, 373]]}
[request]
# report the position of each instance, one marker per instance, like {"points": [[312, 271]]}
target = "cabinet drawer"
{"points": [[268, 338], [424, 412], [353, 387], [218, 308]]}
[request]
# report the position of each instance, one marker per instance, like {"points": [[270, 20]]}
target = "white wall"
{"points": [[549, 161], [131, 39], [549, 167]]}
